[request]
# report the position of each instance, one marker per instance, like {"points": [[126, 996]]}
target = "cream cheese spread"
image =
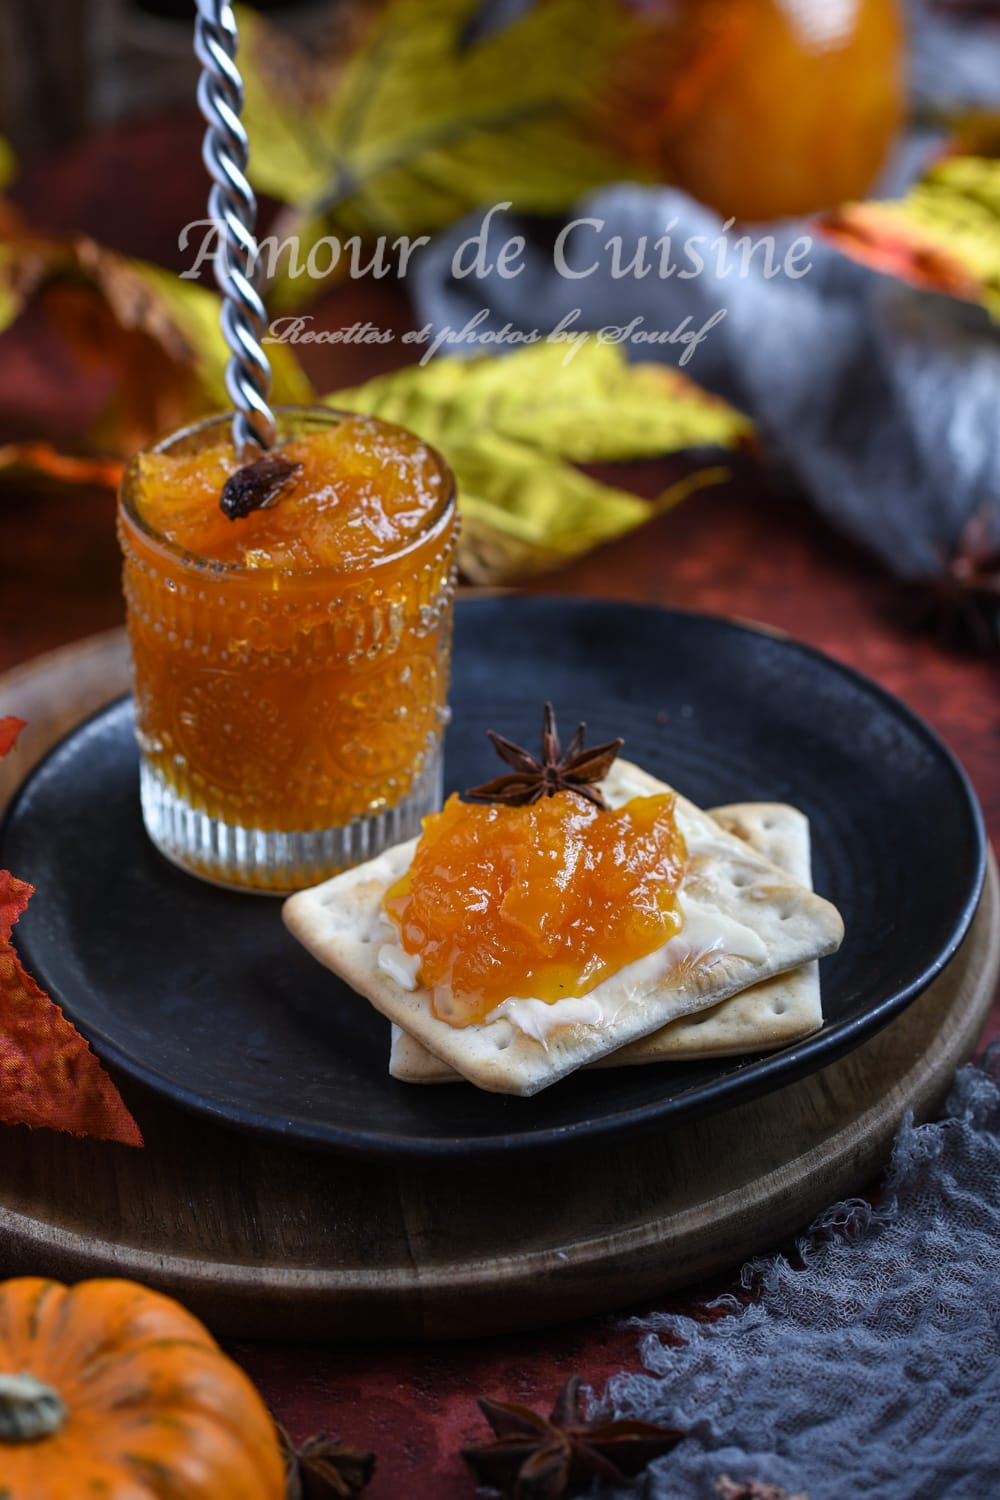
{"points": [[706, 938]]}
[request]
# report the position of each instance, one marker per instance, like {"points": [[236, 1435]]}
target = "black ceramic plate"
{"points": [[202, 994]]}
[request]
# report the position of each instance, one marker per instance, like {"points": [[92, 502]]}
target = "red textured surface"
{"points": [[416, 1407], [740, 550]]}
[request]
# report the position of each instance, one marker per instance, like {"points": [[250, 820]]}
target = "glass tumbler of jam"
{"points": [[290, 666]]}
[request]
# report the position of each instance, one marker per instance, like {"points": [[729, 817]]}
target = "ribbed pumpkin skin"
{"points": [[156, 1411]]}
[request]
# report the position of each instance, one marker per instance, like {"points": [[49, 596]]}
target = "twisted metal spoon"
{"points": [[233, 208]]}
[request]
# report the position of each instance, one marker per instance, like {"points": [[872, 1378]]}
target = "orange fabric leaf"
{"points": [[942, 235], [867, 233], [150, 340], [48, 1075], [65, 467], [10, 728]]}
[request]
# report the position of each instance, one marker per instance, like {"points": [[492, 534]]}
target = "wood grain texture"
{"points": [[266, 1240], [56, 691]]}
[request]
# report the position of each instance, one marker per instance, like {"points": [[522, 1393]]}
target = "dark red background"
{"points": [[741, 550]]}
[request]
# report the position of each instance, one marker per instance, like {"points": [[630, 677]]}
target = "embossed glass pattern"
{"points": [[289, 723]]}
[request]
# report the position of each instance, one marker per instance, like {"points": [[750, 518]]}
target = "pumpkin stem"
{"points": [[28, 1409]]}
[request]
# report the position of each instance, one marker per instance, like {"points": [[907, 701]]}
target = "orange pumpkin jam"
{"points": [[538, 902], [365, 488], [291, 666]]}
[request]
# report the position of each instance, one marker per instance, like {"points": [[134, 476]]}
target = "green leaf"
{"points": [[8, 163], [286, 107], [512, 426], [524, 514], [11, 295], [587, 406], [193, 311], [420, 126]]}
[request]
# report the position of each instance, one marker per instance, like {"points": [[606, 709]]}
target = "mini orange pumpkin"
{"points": [[109, 1391]]}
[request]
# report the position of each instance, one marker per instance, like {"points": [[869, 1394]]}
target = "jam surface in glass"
{"points": [[291, 666], [539, 902], [364, 488]]}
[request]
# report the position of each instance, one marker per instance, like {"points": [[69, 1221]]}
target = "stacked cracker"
{"points": [[741, 976]]}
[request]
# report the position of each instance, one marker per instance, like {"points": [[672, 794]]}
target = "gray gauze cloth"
{"points": [[876, 399], [873, 1368]]}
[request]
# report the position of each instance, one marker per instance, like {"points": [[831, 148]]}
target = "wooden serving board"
{"points": [[266, 1240]]}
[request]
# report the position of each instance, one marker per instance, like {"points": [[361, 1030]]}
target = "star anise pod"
{"points": [[551, 1458], [962, 603], [753, 1489], [256, 485], [571, 770], [323, 1468]]}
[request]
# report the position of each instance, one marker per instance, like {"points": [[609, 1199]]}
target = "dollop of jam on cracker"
{"points": [[543, 901]]}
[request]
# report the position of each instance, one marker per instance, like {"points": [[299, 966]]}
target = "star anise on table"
{"points": [[752, 1489], [554, 1457], [323, 1468], [962, 603], [530, 779]]}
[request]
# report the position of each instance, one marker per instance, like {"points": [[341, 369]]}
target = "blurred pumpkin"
{"points": [[761, 108], [109, 1389]]}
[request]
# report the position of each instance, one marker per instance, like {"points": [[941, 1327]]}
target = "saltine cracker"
{"points": [[768, 1015], [342, 924]]}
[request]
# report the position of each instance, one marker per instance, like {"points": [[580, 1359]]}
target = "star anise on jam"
{"points": [[257, 485], [962, 603], [552, 1458], [323, 1468], [571, 770]]}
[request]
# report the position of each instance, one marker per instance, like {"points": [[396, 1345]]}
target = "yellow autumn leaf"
{"points": [[8, 163], [423, 123], [524, 513], [194, 311], [11, 299], [944, 235], [513, 426], [587, 406]]}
